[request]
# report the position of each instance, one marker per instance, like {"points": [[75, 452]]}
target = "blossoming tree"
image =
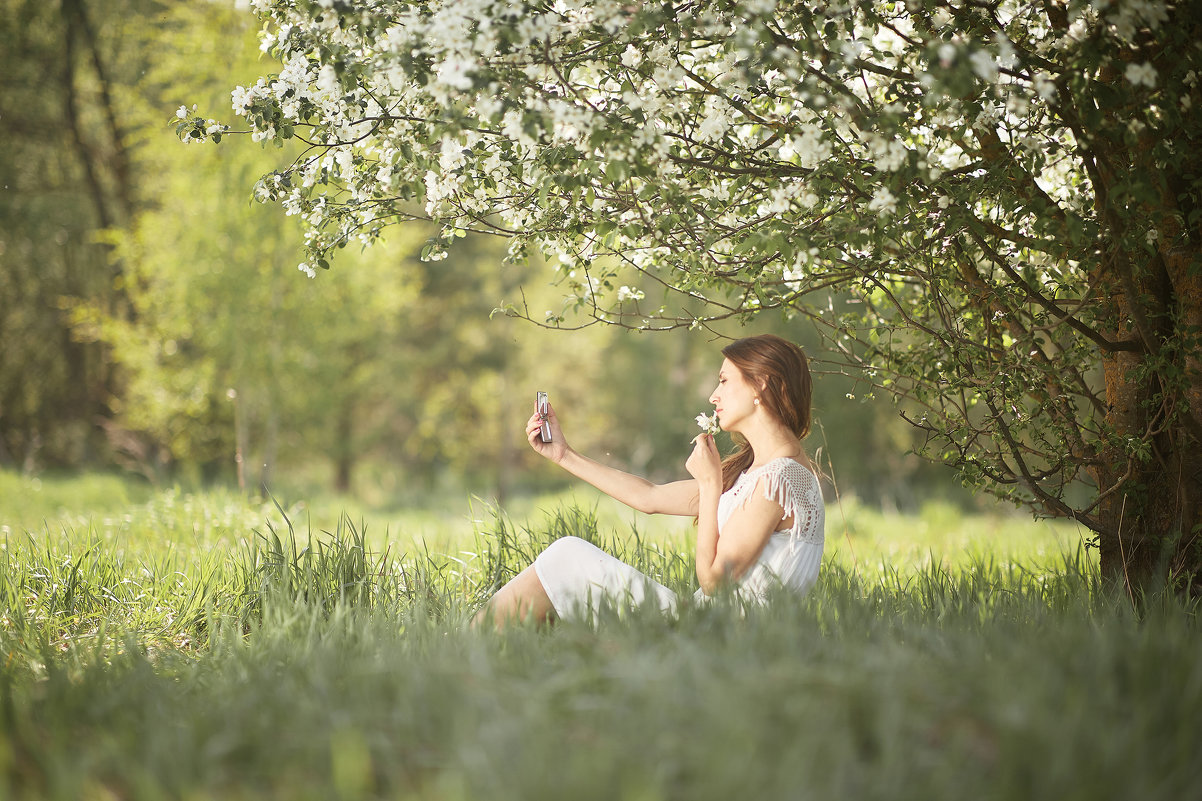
{"points": [[992, 208]]}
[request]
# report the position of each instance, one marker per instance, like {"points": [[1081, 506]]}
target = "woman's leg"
{"points": [[523, 597], [580, 579], [572, 578]]}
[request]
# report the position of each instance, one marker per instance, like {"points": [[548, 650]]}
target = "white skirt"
{"points": [[579, 578]]}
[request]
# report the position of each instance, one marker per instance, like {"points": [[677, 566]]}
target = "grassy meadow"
{"points": [[176, 645]]}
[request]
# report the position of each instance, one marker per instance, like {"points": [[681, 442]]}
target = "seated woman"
{"points": [[759, 512]]}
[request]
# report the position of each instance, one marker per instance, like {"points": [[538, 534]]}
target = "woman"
{"points": [[759, 513]]}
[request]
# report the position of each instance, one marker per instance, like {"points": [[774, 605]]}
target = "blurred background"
{"points": [[153, 321]]}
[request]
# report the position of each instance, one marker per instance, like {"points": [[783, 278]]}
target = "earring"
{"points": [[757, 401]]}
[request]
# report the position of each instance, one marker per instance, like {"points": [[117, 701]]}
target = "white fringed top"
{"points": [[791, 557]]}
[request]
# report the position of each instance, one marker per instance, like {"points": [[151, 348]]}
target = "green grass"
{"points": [[129, 515], [31, 502], [196, 646]]}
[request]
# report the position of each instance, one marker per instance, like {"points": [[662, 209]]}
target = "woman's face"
{"points": [[734, 397]]}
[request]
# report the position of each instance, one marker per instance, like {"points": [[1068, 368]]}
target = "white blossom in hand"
{"points": [[708, 423]]}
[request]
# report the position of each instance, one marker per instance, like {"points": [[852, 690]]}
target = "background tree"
{"points": [[226, 360], [65, 174], [1006, 192], [230, 364]]}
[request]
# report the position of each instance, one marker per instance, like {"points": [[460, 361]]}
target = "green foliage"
{"points": [[226, 352], [64, 176]]}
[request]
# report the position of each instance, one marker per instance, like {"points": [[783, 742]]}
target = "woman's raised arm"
{"points": [[674, 498]]}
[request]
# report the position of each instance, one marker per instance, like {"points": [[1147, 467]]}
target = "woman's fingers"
{"points": [[534, 426], [703, 462]]}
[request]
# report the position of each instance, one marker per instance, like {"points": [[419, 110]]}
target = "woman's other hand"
{"points": [[554, 450], [704, 463]]}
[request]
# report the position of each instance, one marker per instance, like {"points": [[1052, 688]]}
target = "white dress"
{"points": [[578, 575]]}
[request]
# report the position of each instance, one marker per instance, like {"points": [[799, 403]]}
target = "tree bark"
{"points": [[87, 158], [118, 159], [344, 460], [239, 441], [1150, 521], [271, 441]]}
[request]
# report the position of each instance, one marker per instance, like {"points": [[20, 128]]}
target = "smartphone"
{"points": [[544, 408]]}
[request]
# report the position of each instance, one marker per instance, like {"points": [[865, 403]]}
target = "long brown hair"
{"points": [[782, 373]]}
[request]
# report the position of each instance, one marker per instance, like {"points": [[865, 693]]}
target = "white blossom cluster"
{"points": [[708, 423], [741, 143], [194, 129]]}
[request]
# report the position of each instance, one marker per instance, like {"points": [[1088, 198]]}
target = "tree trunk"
{"points": [[1151, 522], [271, 442], [344, 452], [239, 441]]}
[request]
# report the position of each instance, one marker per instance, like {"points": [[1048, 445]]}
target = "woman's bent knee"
{"points": [[567, 547]]}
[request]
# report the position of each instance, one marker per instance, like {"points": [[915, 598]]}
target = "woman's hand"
{"points": [[556, 449], [704, 463]]}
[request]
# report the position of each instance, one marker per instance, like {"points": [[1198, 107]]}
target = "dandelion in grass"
{"points": [[708, 423]]}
